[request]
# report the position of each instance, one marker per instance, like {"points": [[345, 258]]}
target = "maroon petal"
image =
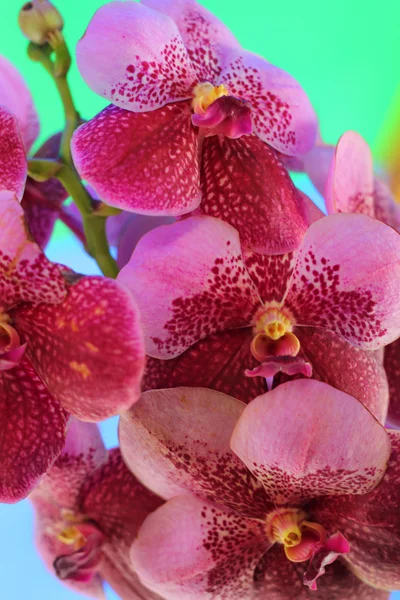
{"points": [[351, 370], [392, 368], [135, 161], [371, 525], [218, 362], [13, 167], [33, 427], [89, 349], [244, 183]]}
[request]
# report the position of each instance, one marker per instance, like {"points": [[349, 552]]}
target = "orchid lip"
{"points": [[204, 94]]}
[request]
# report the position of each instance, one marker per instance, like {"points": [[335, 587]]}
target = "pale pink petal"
{"points": [[89, 349], [270, 273], [190, 549], [15, 95], [189, 281], [134, 56], [359, 373], [350, 183], [136, 161], [206, 39], [317, 164], [25, 273], [244, 183], [133, 232], [322, 441], [282, 114], [177, 441], [13, 166], [371, 525], [339, 284], [230, 353], [392, 368], [32, 431]]}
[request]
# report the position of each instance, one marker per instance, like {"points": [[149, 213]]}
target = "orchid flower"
{"points": [[88, 510], [332, 299], [194, 122], [263, 498], [62, 337]]}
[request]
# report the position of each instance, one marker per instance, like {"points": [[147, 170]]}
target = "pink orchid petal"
{"points": [[177, 441], [26, 275], [350, 184], [95, 360], [310, 210], [15, 95], [317, 164], [282, 114], [386, 207], [392, 368], [83, 453], [135, 161], [281, 579], [290, 365], [270, 273], [357, 372], [206, 39], [143, 63], [371, 525], [13, 166], [189, 549], [226, 116], [33, 428], [245, 184], [189, 280], [340, 285], [335, 546], [229, 351], [323, 441]]}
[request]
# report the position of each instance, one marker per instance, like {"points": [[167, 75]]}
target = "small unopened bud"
{"points": [[39, 19]]}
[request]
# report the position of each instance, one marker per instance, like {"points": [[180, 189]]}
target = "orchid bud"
{"points": [[39, 18]]}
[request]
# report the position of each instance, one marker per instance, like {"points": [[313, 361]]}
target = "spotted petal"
{"points": [[135, 57], [323, 441], [13, 166], [244, 183], [190, 281], [189, 549], [33, 428], [350, 184], [177, 441], [25, 273], [137, 161], [282, 114], [89, 349], [15, 95], [392, 367], [340, 285], [206, 39]]}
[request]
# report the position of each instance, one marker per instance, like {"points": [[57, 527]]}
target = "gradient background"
{"points": [[347, 59]]}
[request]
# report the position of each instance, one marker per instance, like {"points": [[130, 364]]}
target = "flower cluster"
{"points": [[249, 341]]}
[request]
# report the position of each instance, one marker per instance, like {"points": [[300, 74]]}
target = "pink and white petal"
{"points": [[206, 38], [350, 184], [89, 349], [277, 578], [270, 273], [357, 372], [386, 207], [190, 549], [244, 183], [371, 525], [15, 95], [83, 453], [217, 362], [323, 441], [136, 161], [189, 281], [25, 273], [143, 63], [33, 429], [282, 113], [392, 368], [340, 285], [177, 441], [13, 165]]}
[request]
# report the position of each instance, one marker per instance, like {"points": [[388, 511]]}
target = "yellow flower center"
{"points": [[205, 94], [71, 536], [284, 526], [273, 323]]}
